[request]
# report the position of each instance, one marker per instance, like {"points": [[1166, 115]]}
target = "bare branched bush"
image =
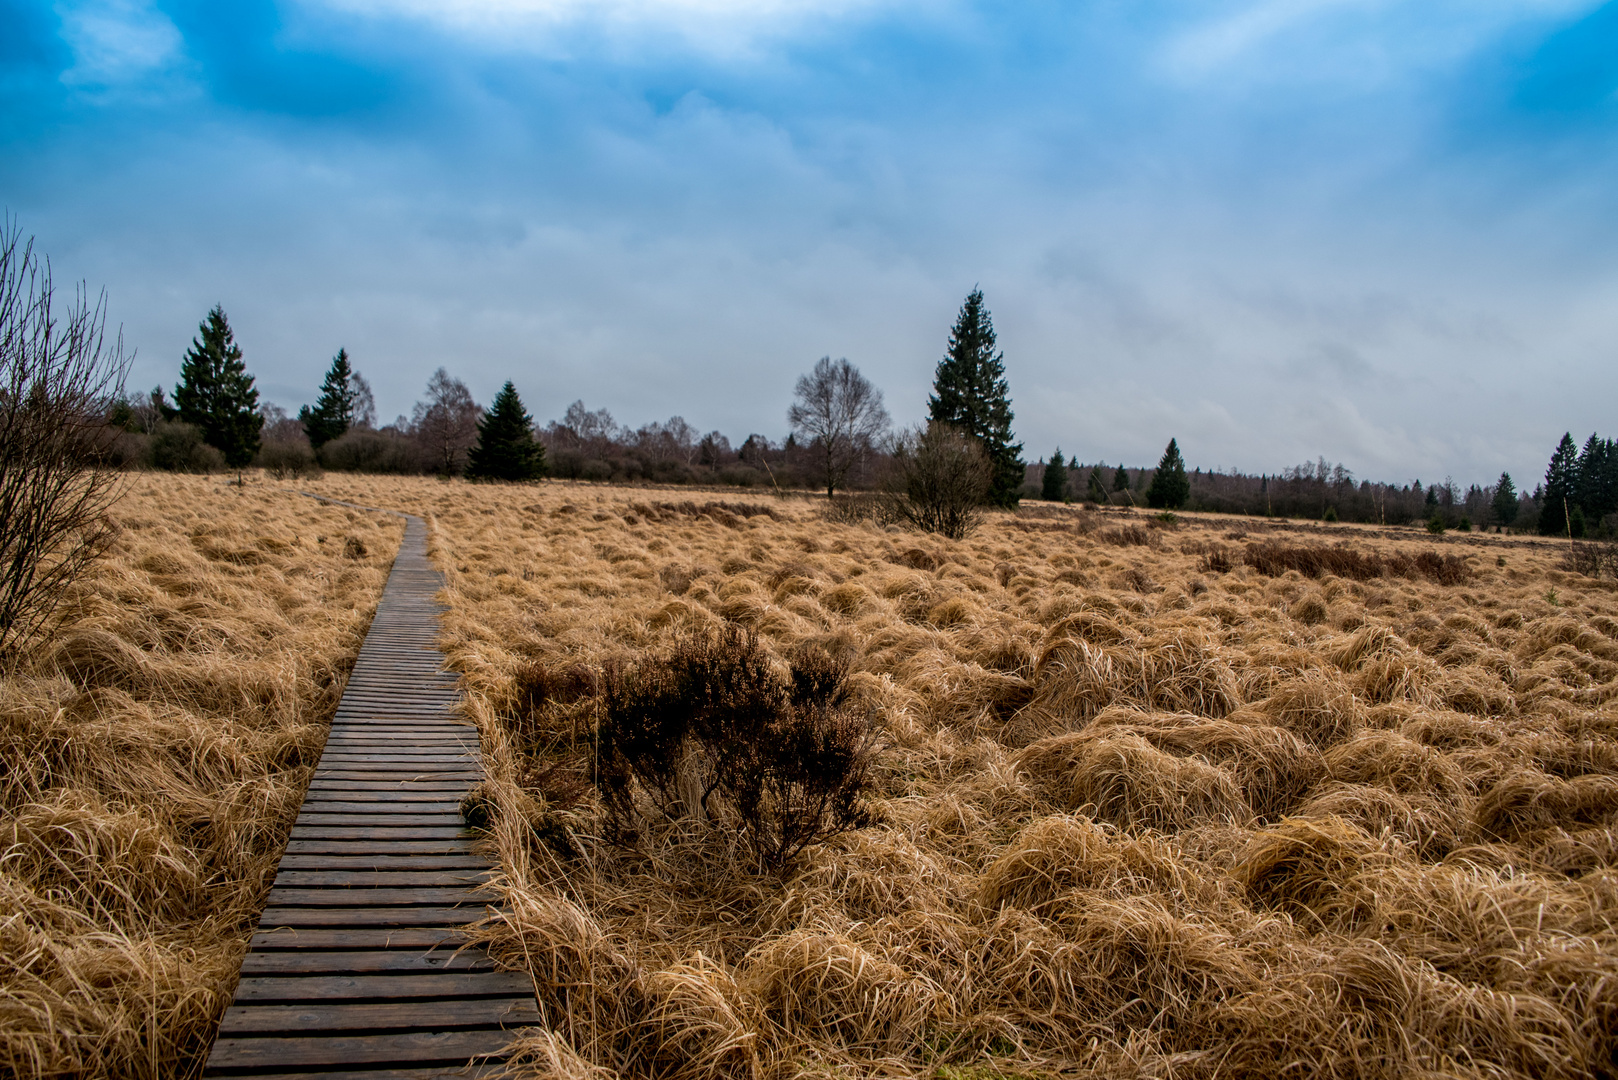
{"points": [[862, 508], [58, 376], [1592, 559], [716, 733], [941, 480], [1272, 559]]}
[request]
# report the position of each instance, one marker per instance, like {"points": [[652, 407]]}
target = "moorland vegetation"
{"points": [[1147, 797]]}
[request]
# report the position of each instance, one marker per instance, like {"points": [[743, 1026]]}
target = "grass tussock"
{"points": [[1138, 809], [153, 754]]}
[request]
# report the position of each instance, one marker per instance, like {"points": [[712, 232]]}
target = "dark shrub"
{"points": [[717, 734], [178, 447], [365, 451], [287, 458], [1129, 536], [1444, 569]]}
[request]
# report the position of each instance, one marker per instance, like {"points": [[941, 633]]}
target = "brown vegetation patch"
{"points": [[153, 757], [1239, 824]]}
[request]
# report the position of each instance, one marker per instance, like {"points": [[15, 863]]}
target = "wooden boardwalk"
{"points": [[356, 969]]}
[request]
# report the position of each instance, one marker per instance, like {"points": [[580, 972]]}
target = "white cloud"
{"points": [[116, 41], [714, 26], [1346, 40]]}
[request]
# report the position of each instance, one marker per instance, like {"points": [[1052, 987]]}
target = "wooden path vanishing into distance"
{"points": [[357, 969]]}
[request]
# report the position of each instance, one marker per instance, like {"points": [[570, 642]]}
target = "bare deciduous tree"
{"points": [[941, 478], [840, 414], [59, 377], [446, 423]]}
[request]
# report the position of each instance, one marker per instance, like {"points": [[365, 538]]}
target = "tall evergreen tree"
{"points": [[1505, 500], [333, 413], [1561, 488], [1054, 487], [1120, 479], [970, 393], [216, 393], [1598, 478], [506, 449], [1096, 491], [1170, 487]]}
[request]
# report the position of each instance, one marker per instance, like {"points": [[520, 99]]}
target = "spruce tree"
{"points": [[1120, 479], [970, 393], [1505, 500], [333, 413], [1096, 492], [1054, 486], [1561, 488], [216, 394], [1170, 487], [506, 449], [1598, 478]]}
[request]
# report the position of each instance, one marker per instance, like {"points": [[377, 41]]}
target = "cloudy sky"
{"points": [[1382, 231]]}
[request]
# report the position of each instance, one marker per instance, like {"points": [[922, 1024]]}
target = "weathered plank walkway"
{"points": [[356, 969]]}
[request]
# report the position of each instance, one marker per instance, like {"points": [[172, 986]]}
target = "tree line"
{"points": [[840, 440]]}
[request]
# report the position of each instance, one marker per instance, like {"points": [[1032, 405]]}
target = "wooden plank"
{"points": [[457, 845], [377, 820], [417, 1047], [448, 984], [352, 832], [368, 962], [471, 1072], [361, 861], [390, 772], [398, 758], [401, 751], [336, 938], [376, 896], [370, 917], [428, 785], [367, 1016], [403, 801], [354, 876]]}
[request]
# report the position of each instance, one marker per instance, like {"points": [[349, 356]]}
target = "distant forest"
{"points": [[216, 421]]}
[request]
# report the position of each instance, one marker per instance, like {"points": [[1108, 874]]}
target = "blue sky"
{"points": [[1374, 230]]}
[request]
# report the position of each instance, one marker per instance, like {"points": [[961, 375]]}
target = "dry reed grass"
{"points": [[1221, 824], [153, 754]]}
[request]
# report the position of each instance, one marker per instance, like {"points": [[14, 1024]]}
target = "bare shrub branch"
{"points": [[940, 480], [59, 375]]}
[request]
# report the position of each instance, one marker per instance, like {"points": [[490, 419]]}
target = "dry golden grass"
{"points": [[152, 757], [1140, 817]]}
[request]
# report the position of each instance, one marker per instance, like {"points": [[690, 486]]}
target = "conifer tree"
{"points": [[506, 449], [1054, 487], [1097, 490], [216, 394], [333, 413], [1561, 488], [1120, 479], [1598, 478], [1169, 487], [1505, 500], [970, 393]]}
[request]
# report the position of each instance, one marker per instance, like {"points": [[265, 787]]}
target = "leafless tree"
{"points": [[940, 480], [446, 423], [59, 376], [841, 416], [364, 402]]}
